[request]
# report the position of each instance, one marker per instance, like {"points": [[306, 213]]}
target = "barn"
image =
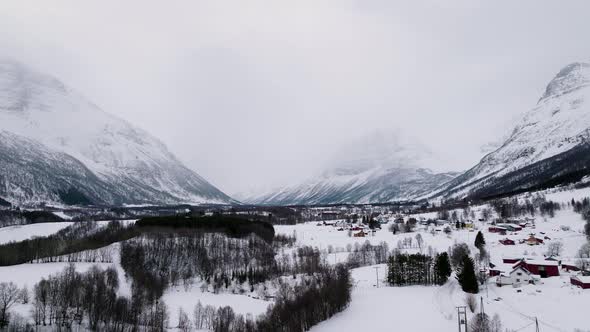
{"points": [[534, 241], [542, 268], [507, 242], [497, 229], [580, 281], [568, 267], [511, 260]]}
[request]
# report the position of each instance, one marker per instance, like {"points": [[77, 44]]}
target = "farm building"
{"points": [[497, 269], [580, 281], [533, 241], [507, 242], [360, 234], [542, 268], [511, 260], [518, 276], [568, 267], [497, 229], [511, 227]]}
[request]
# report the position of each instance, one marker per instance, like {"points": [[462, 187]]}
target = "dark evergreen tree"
{"points": [[480, 242], [466, 276], [442, 268]]}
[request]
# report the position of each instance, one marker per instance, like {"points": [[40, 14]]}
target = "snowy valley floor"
{"points": [[557, 305]]}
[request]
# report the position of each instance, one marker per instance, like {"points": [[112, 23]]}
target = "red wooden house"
{"points": [[507, 242], [570, 267], [542, 268], [533, 241], [511, 260], [497, 229], [582, 282]]}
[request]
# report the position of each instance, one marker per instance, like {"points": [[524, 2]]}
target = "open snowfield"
{"points": [[178, 297], [557, 305], [387, 309], [24, 232]]}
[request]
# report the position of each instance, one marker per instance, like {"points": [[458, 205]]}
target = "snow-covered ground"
{"points": [[387, 308], [178, 297], [24, 232], [556, 304]]}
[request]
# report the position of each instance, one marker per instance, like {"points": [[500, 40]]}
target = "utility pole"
{"points": [[377, 275], [481, 307], [462, 318], [537, 324]]}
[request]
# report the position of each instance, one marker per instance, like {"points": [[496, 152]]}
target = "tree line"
{"points": [[157, 261], [72, 299], [417, 269], [296, 308], [76, 238], [18, 217], [232, 226]]}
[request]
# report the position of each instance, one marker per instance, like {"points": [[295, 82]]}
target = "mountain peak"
{"points": [[570, 78], [106, 159]]}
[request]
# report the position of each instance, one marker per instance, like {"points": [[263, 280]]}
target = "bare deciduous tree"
{"points": [[9, 295]]}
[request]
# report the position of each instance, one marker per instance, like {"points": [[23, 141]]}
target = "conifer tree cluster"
{"points": [[418, 269], [442, 268], [466, 276]]}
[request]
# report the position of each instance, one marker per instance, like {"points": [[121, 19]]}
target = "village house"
{"points": [[507, 242], [510, 227], [533, 241], [581, 281], [497, 269], [569, 267], [360, 234], [497, 229], [517, 277], [542, 268], [511, 260]]}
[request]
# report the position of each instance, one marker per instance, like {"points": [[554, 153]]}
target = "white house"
{"points": [[517, 277]]}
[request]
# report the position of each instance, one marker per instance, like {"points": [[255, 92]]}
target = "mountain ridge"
{"points": [[557, 124], [46, 118]]}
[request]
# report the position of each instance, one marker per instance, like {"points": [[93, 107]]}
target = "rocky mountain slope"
{"points": [[57, 147], [381, 167], [547, 147]]}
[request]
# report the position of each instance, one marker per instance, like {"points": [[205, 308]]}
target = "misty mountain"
{"points": [[548, 146], [57, 147], [381, 167]]}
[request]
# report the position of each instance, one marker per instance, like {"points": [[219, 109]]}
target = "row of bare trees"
{"points": [[72, 299]]}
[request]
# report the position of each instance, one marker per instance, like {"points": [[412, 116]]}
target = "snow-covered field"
{"points": [[324, 236], [178, 297], [555, 303], [387, 308], [24, 232]]}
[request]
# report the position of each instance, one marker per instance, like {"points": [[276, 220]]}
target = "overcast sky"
{"points": [[260, 93]]}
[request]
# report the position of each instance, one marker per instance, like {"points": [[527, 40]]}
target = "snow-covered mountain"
{"points": [[57, 147], [548, 146], [380, 167]]}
